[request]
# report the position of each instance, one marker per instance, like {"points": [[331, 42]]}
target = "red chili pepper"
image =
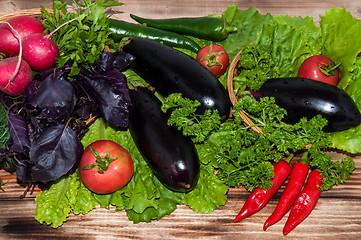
{"points": [[305, 202], [297, 178], [260, 197]]}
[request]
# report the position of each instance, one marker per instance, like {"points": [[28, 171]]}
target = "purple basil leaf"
{"points": [[54, 153], [109, 90], [19, 137], [117, 59], [55, 97], [22, 173]]}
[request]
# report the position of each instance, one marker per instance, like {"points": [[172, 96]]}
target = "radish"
{"points": [[16, 73], [13, 81], [40, 51], [25, 26]]}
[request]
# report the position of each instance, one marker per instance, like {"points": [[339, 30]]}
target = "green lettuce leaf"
{"points": [[288, 43], [341, 42], [144, 198], [209, 190], [340, 31], [53, 205], [248, 23]]}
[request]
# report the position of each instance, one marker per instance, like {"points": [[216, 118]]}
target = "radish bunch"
{"points": [[26, 49]]}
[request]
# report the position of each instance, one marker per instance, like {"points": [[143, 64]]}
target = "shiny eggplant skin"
{"points": [[302, 97], [171, 156], [171, 71]]}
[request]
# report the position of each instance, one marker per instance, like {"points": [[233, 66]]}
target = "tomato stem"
{"points": [[328, 68], [102, 163], [212, 57]]}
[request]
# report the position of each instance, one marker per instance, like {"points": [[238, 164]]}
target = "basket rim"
{"points": [[230, 76], [30, 11]]}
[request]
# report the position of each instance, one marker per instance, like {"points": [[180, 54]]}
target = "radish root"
{"points": [[18, 65], [63, 24]]}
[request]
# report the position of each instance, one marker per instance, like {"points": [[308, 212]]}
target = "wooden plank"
{"points": [[337, 215], [175, 8]]}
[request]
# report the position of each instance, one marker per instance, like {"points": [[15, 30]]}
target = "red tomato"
{"points": [[105, 167], [214, 58], [319, 68]]}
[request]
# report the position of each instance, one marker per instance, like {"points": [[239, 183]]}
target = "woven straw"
{"points": [[33, 12], [231, 73]]}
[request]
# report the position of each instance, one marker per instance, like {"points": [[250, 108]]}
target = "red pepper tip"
{"points": [[237, 219], [240, 216], [266, 225], [285, 232]]}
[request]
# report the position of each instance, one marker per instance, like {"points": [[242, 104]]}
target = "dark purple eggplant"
{"points": [[171, 156], [171, 71], [302, 97]]}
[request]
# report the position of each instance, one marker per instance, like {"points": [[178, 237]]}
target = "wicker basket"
{"points": [[32, 11], [231, 73]]}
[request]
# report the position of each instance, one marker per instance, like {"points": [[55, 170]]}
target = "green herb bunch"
{"points": [[81, 41], [4, 130], [243, 157]]}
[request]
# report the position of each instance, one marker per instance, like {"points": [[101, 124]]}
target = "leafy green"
{"points": [[144, 198], [1, 185], [183, 115], [81, 41], [209, 188], [68, 193], [244, 158], [333, 172], [230, 154], [287, 41], [248, 23], [256, 66], [339, 29], [4, 130]]}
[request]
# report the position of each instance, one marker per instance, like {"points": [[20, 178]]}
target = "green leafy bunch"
{"points": [[4, 130], [306, 136], [243, 157], [184, 116], [80, 41], [255, 66], [144, 198]]}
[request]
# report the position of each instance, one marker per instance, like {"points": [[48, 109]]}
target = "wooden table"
{"points": [[337, 214]]}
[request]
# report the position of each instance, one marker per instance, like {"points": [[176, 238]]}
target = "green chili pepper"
{"points": [[209, 28], [120, 29]]}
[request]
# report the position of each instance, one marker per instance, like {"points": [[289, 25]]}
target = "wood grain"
{"points": [[176, 8], [337, 214]]}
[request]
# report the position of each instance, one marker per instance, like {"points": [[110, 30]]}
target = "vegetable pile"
{"points": [[143, 88]]}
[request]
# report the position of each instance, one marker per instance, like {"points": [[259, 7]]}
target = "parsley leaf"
{"points": [[81, 41], [243, 157], [184, 116]]}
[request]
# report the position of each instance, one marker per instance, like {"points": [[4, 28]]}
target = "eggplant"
{"points": [[171, 155], [302, 97], [171, 71]]}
